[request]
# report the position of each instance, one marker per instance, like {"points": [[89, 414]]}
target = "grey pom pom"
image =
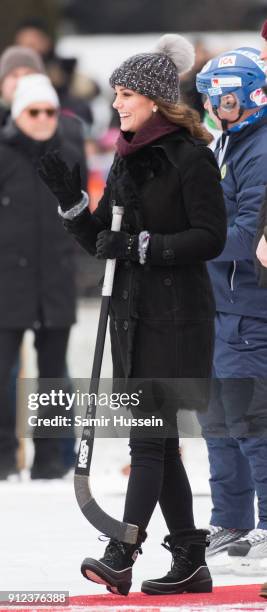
{"points": [[178, 49]]}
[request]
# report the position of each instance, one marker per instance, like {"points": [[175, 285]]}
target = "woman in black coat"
{"points": [[162, 308]]}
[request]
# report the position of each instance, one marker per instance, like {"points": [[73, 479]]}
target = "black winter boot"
{"points": [[189, 572], [114, 569]]}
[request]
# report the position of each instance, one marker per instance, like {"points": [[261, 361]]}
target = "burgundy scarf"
{"points": [[153, 129]]}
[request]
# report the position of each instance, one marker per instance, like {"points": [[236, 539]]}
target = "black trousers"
{"points": [[51, 347], [183, 353], [158, 475]]}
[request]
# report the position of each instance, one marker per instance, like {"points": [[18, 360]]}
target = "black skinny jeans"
{"points": [[158, 475], [157, 472], [51, 346]]}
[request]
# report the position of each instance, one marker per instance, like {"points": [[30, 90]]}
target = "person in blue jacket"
{"points": [[235, 425]]}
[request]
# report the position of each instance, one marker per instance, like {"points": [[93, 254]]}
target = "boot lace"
{"points": [[180, 562], [115, 549]]}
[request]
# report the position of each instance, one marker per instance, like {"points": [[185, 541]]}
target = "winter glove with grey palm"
{"points": [[117, 245], [64, 183]]}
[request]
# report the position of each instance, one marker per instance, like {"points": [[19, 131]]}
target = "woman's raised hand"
{"points": [[64, 183]]}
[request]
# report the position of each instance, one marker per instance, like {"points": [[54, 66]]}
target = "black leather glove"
{"points": [[117, 245], [64, 183]]}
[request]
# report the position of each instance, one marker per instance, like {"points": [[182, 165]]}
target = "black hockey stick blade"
{"points": [[125, 532]]}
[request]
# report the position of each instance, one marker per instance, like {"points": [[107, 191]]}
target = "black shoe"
{"points": [[114, 569], [48, 470], [48, 459], [7, 470], [189, 572]]}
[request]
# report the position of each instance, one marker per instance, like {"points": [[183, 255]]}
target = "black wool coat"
{"points": [[37, 271], [162, 312]]}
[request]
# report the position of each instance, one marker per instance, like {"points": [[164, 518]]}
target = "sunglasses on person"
{"points": [[35, 112]]}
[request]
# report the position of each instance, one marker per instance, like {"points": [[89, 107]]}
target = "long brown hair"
{"points": [[184, 116]]}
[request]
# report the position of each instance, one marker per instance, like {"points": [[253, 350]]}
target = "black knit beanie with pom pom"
{"points": [[156, 74]]}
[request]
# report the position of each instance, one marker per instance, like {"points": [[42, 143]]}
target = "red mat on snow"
{"points": [[220, 596], [227, 595]]}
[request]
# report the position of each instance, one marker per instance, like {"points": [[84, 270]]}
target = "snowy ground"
{"points": [[44, 535]]}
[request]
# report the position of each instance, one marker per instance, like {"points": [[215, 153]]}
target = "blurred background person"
{"points": [[15, 62], [189, 92], [191, 96], [37, 280], [34, 33], [264, 42]]}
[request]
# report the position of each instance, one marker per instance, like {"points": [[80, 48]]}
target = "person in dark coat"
{"points": [[17, 61], [37, 280], [162, 307]]}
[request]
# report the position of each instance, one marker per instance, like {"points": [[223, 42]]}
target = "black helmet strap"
{"points": [[225, 122]]}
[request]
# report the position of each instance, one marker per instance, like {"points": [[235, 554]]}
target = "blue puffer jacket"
{"points": [[244, 180]]}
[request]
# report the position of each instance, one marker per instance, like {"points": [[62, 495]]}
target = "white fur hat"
{"points": [[31, 89]]}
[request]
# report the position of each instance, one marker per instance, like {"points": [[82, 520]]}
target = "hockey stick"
{"points": [[95, 515]]}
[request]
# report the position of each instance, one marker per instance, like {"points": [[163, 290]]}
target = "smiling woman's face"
{"points": [[134, 109]]}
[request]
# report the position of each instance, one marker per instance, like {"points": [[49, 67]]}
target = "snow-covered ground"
{"points": [[44, 535]]}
